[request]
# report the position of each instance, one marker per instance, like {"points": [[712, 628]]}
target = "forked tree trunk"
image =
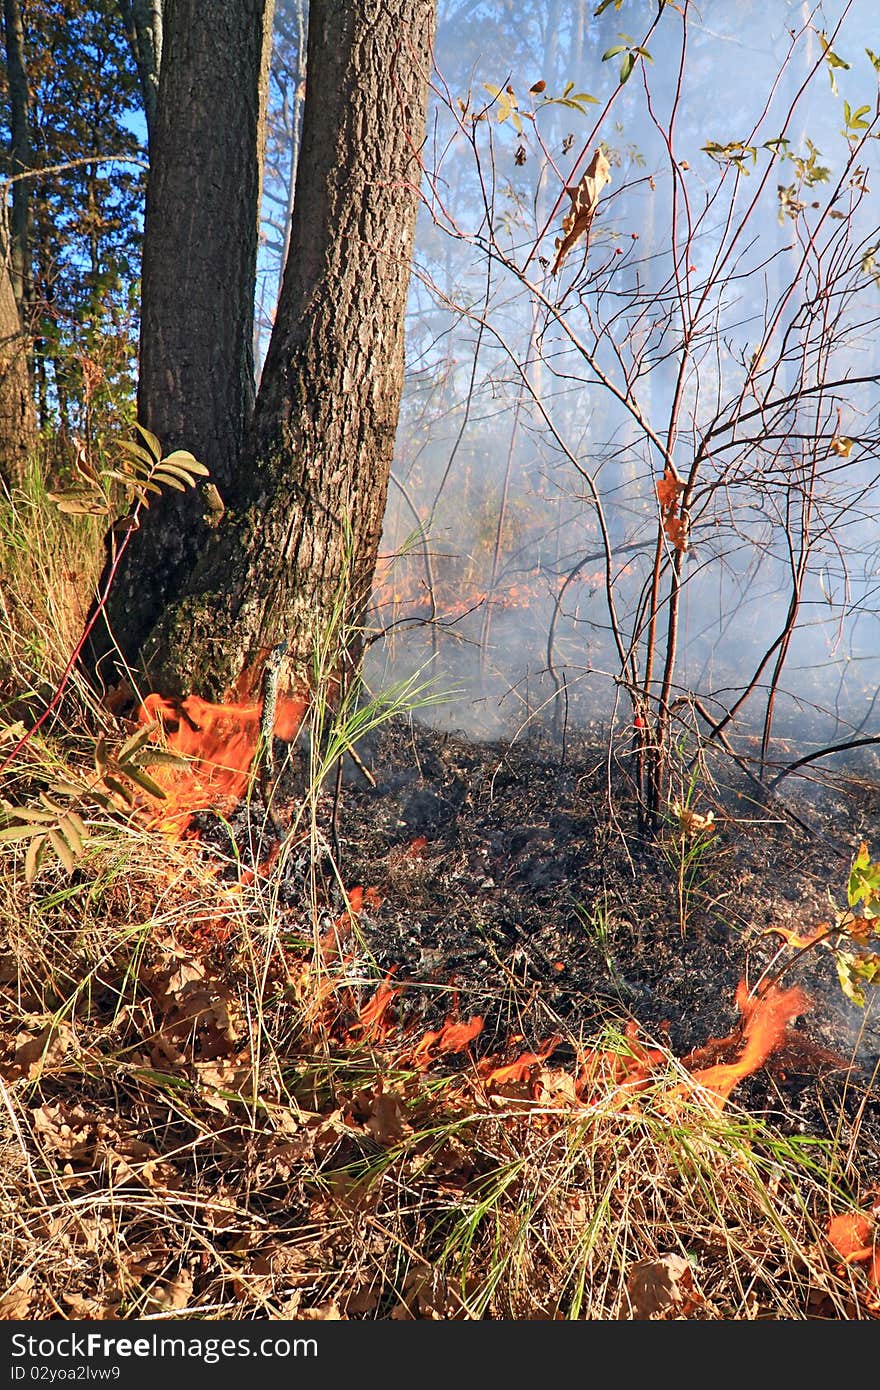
{"points": [[300, 549], [196, 382]]}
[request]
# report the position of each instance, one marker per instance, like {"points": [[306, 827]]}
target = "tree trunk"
{"points": [[18, 426], [299, 551], [143, 25], [196, 382], [20, 157]]}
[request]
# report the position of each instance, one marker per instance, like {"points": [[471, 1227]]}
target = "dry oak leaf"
{"points": [[659, 1289], [66, 1129], [668, 489], [170, 1295], [323, 1312], [36, 1055], [693, 822], [584, 201], [386, 1123], [15, 1303], [90, 1309], [676, 529]]}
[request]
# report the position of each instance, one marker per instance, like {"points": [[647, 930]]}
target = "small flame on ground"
{"points": [[451, 1038], [799, 941], [519, 1071], [855, 1237], [763, 1031], [632, 1069], [395, 589], [374, 1023]]}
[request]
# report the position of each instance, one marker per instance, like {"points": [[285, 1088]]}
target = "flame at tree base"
{"points": [[220, 741]]}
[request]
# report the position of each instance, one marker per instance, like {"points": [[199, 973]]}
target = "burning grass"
{"points": [[229, 1089], [210, 1112]]}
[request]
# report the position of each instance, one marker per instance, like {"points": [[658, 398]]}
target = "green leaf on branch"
{"points": [[854, 121], [631, 52], [576, 101], [505, 103], [832, 59], [735, 152], [856, 971], [864, 883], [152, 443]]}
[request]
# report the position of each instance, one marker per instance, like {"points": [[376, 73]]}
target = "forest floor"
{"points": [[464, 1044]]}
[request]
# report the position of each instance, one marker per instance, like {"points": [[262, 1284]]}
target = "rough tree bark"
{"points": [[303, 537], [143, 25], [19, 156], [196, 381], [18, 425]]}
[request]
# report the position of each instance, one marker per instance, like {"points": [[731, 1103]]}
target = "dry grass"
{"points": [[193, 1123], [190, 1128]]}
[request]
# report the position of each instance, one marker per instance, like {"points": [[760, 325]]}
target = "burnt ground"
{"points": [[508, 883], [516, 886]]}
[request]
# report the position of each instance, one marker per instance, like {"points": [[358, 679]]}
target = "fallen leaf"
{"points": [[90, 1309], [323, 1312], [66, 1129], [385, 1123], [36, 1055], [171, 1295], [658, 1289], [693, 822], [15, 1303]]}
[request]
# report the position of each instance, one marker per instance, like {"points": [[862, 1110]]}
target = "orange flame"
{"points": [[798, 941], [396, 588], [855, 1237], [518, 1071], [452, 1037], [374, 1024], [220, 740], [850, 1234], [632, 1069], [763, 1031]]}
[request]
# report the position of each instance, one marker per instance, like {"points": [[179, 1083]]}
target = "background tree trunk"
{"points": [[20, 158], [301, 545], [18, 426], [196, 382], [143, 25]]}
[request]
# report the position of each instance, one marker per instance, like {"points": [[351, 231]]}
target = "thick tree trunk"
{"points": [[18, 426], [300, 548], [196, 383]]}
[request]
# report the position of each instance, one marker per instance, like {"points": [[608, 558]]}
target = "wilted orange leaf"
{"points": [[584, 201], [668, 489], [676, 531]]}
